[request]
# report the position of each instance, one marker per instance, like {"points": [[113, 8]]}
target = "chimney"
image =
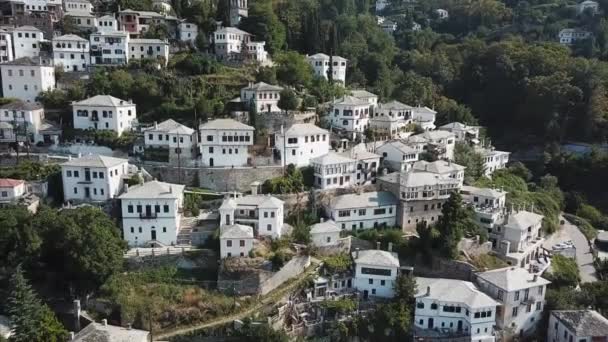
{"points": [[378, 245], [428, 290], [535, 278], [125, 188], [155, 124], [390, 246], [71, 336], [254, 188], [357, 253], [282, 133], [104, 322], [170, 189]]}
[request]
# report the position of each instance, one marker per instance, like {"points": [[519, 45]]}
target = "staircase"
{"points": [[184, 237]]}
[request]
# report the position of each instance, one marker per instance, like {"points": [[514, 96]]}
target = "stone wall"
{"points": [[293, 268], [444, 268]]}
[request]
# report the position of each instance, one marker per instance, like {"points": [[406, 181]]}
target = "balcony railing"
{"points": [[148, 216]]}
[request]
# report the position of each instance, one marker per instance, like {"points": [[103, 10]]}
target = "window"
{"points": [[130, 208], [375, 271], [419, 305], [526, 293], [242, 243], [500, 295], [514, 313], [382, 282], [76, 174], [157, 208], [539, 306], [371, 281], [540, 290], [166, 208], [228, 243], [75, 190], [132, 230], [4, 193], [68, 173], [516, 295], [362, 212], [139, 208], [269, 227], [265, 214], [528, 307], [380, 211]]}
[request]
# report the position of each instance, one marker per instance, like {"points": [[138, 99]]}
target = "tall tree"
{"points": [[31, 320], [454, 221]]}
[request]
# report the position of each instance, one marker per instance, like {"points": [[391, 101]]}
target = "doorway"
{"points": [[211, 162], [87, 193], [431, 323], [153, 233]]}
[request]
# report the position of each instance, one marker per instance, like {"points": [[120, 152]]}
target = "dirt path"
{"points": [[271, 298]]}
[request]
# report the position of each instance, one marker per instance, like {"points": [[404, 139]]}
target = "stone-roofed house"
{"points": [[375, 272], [172, 139], [521, 295], [144, 48], [104, 112], [301, 143], [71, 52], [136, 23], [333, 170], [493, 159], [233, 44], [364, 211], [519, 239], [236, 240], [26, 41], [350, 114], [320, 64], [444, 168], [453, 308], [225, 143], [371, 98], [366, 163], [262, 212], [151, 213], [93, 178], [77, 6], [463, 132], [23, 121], [109, 46], [26, 77], [391, 119], [263, 96], [438, 143], [103, 332], [325, 233], [397, 155], [588, 5], [577, 326]]}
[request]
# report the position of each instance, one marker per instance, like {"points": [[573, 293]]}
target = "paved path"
{"points": [[270, 299], [584, 257]]}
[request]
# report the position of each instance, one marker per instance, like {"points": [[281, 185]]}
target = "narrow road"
{"points": [[584, 257], [271, 298]]}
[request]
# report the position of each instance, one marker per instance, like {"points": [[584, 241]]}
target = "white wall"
{"points": [[264, 100], [27, 43], [235, 250], [350, 118], [365, 218], [118, 119], [112, 47], [270, 222], [334, 176], [219, 153], [362, 281], [137, 231], [26, 82], [151, 50], [188, 32], [72, 55], [299, 150], [100, 189], [325, 239], [6, 47], [10, 194]]}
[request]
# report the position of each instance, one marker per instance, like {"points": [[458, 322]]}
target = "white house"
{"points": [[590, 5], [25, 78], [519, 239], [225, 143], [104, 112], [350, 114], [77, 6], [333, 170], [421, 194], [322, 64], [71, 52], [366, 163], [179, 140], [371, 98], [325, 233], [107, 23], [375, 272], [463, 132], [151, 213], [84, 20], [390, 119], [25, 119], [109, 47], [365, 210], [454, 306], [301, 143], [157, 49], [442, 14], [439, 143], [230, 43], [444, 168], [236, 240], [521, 296], [93, 178], [105, 332], [262, 212], [577, 326], [397, 155], [569, 36], [493, 159], [6, 46], [424, 117], [11, 190], [489, 207], [26, 41], [263, 96], [187, 32]]}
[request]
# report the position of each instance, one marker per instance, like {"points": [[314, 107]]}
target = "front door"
{"points": [[459, 325], [87, 193], [211, 162], [431, 326], [365, 294], [153, 234]]}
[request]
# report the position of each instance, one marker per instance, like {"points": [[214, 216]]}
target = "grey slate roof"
{"points": [[171, 126], [323, 56], [454, 291], [486, 192], [103, 101], [26, 61], [71, 37], [364, 200], [583, 322], [351, 101], [362, 93], [305, 129], [394, 105], [331, 158], [438, 166], [96, 332], [236, 231], [376, 257], [27, 28], [154, 189], [147, 41], [21, 105], [262, 86], [233, 30], [523, 219], [95, 160], [328, 226], [225, 124], [260, 201], [512, 278]]}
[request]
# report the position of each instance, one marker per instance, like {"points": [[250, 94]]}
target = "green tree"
{"points": [[21, 241], [31, 320], [289, 100], [454, 221], [474, 162], [564, 272], [293, 69], [265, 25]]}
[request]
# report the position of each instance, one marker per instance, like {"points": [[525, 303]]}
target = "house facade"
{"points": [[26, 41], [11, 190], [263, 96], [71, 52], [569, 36], [350, 114], [375, 272], [577, 325], [333, 170], [366, 210], [397, 155], [301, 143], [323, 64], [225, 143], [25, 78], [156, 49], [93, 178], [109, 47], [236, 240], [262, 212], [177, 141], [187, 32], [151, 213], [325, 233], [25, 119], [104, 112]]}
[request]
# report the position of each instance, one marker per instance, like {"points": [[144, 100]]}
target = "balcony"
{"points": [[94, 118], [148, 216]]}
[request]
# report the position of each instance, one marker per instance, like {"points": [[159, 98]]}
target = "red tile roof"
{"points": [[10, 183]]}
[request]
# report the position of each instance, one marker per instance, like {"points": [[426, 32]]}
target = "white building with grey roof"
{"points": [[577, 326], [333, 171], [22, 121], [225, 143], [301, 143], [397, 155], [350, 114], [154, 49], [493, 159], [325, 233], [424, 116], [25, 78], [104, 112], [236, 240], [71, 53], [103, 332], [375, 272], [454, 308], [365, 210], [93, 178], [26, 41], [264, 213], [443, 168], [151, 213], [390, 120], [171, 138], [323, 64], [463, 132], [262, 96], [521, 296], [366, 163]]}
